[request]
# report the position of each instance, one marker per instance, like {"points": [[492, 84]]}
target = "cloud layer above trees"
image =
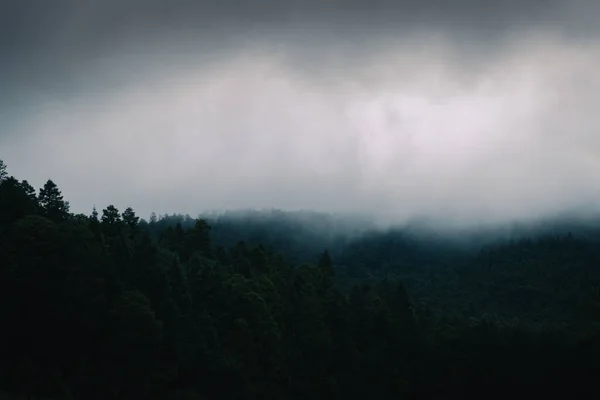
{"points": [[478, 111]]}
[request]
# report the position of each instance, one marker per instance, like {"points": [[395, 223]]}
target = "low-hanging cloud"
{"points": [[431, 116]]}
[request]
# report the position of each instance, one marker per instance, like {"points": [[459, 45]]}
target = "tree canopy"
{"points": [[114, 307]]}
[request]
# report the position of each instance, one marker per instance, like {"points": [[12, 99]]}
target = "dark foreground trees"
{"points": [[98, 308]]}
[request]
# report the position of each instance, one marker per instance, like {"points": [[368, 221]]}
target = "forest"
{"points": [[287, 305]]}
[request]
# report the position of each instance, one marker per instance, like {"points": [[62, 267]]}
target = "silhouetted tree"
{"points": [[94, 215], [130, 219], [52, 204], [3, 173], [30, 192], [111, 216], [15, 202]]}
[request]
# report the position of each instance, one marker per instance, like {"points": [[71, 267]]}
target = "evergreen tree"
{"points": [[198, 238], [29, 191], [130, 219], [111, 216], [15, 202], [326, 265], [52, 204], [94, 215], [3, 173]]}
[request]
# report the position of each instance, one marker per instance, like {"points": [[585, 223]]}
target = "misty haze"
{"points": [[299, 199]]}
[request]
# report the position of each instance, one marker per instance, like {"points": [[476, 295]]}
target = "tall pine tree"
{"points": [[52, 204]]}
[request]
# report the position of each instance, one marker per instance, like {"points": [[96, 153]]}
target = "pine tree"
{"points": [[94, 216], [29, 190], [51, 201], [198, 238], [129, 218], [326, 265], [3, 174]]}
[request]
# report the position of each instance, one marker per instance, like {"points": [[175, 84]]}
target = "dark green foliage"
{"points": [[130, 219], [30, 192], [51, 202], [111, 216], [119, 308], [94, 215], [15, 202]]}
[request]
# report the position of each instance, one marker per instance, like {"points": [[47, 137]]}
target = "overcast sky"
{"points": [[456, 110]]}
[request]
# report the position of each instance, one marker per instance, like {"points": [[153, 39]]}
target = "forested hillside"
{"points": [[109, 306]]}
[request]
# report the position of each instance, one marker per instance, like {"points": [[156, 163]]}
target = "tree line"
{"points": [[110, 306]]}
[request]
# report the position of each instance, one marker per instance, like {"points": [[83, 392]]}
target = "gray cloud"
{"points": [[72, 30], [475, 111]]}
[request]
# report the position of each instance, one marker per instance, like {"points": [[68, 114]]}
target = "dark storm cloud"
{"points": [[64, 46], [463, 110], [54, 37], [82, 27]]}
